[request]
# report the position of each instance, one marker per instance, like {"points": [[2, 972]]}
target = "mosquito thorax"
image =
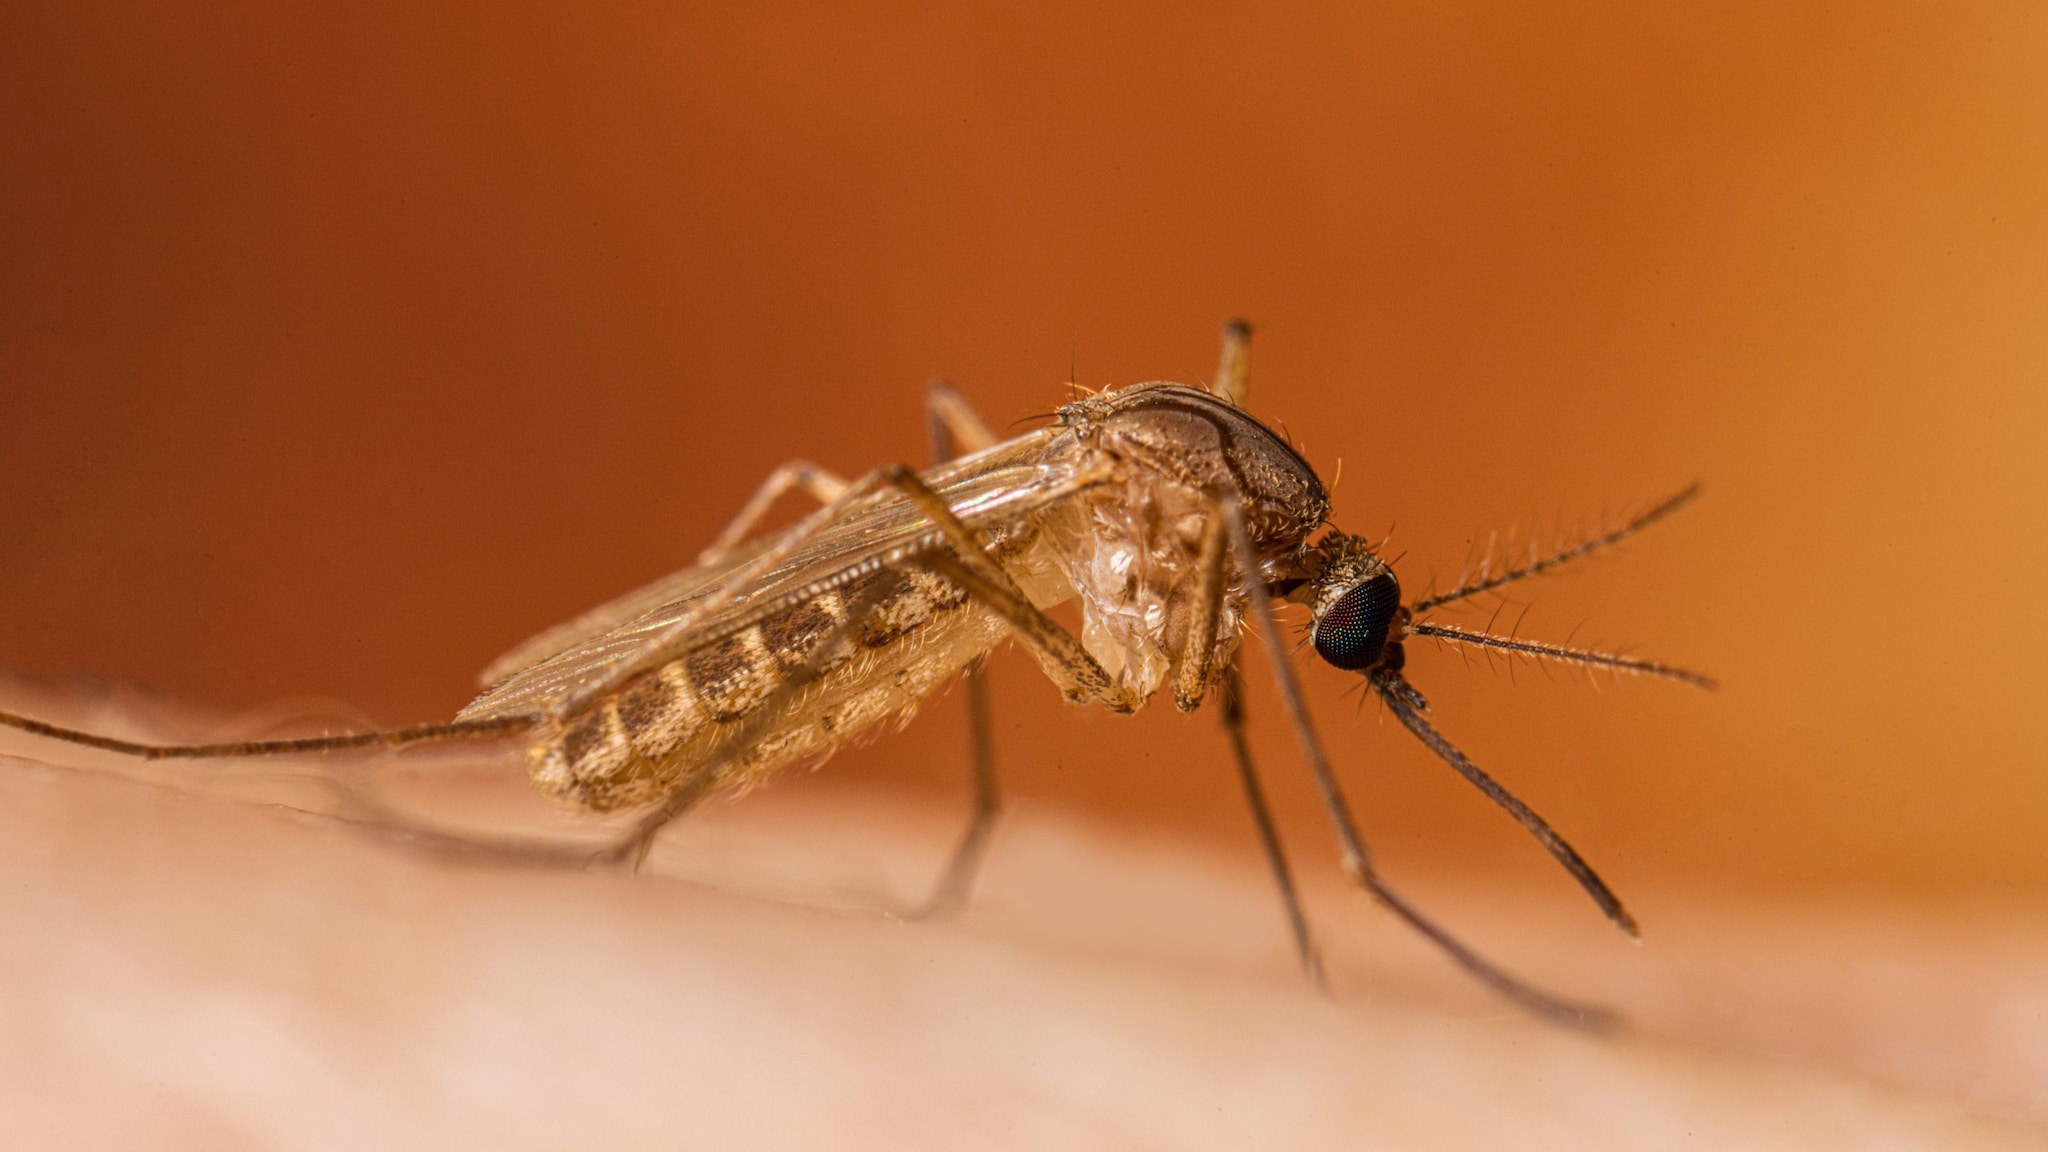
{"points": [[1355, 604], [1207, 444]]}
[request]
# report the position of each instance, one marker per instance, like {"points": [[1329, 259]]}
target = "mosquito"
{"points": [[1176, 520]]}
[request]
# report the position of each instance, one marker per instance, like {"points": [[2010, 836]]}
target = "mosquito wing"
{"points": [[706, 578], [1012, 479], [674, 587]]}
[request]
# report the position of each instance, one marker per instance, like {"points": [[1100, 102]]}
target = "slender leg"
{"points": [[364, 813], [968, 564], [495, 728], [631, 849], [955, 427], [1232, 698], [1357, 860], [1192, 680], [823, 486], [956, 884], [1198, 652], [1233, 372]]}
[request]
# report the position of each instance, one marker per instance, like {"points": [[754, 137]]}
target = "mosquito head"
{"points": [[1355, 602]]}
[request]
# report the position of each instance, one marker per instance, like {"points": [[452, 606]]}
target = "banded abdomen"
{"points": [[692, 714]]}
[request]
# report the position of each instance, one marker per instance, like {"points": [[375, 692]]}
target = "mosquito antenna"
{"points": [[494, 728], [1587, 657], [1469, 587], [1047, 416], [1401, 701]]}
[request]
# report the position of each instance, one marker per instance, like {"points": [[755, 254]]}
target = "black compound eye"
{"points": [[1352, 632]]}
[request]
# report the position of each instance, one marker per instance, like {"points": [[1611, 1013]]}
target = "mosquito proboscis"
{"points": [[1173, 516]]}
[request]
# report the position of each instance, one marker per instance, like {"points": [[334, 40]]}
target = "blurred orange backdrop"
{"points": [[343, 346]]}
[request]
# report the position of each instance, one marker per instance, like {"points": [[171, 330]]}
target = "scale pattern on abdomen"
{"points": [[637, 745]]}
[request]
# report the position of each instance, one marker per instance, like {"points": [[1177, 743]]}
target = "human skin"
{"points": [[207, 962]]}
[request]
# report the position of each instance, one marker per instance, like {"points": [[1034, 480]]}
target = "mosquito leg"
{"points": [[968, 564], [1232, 699], [956, 884], [1357, 859], [494, 728], [1198, 652], [955, 426], [1233, 371], [1058, 652], [631, 849], [367, 815], [823, 486], [1191, 681], [954, 423]]}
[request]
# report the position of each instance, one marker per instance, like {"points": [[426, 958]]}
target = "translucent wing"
{"points": [[675, 586], [1010, 480]]}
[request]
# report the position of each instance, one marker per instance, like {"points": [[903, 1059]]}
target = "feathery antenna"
{"points": [[1471, 587], [1586, 657]]}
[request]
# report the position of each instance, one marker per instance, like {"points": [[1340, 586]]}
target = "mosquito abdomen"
{"points": [[694, 713]]}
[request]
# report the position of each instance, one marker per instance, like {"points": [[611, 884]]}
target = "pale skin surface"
{"points": [[192, 969]]}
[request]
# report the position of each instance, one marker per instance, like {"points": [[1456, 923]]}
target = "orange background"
{"points": [[342, 347]]}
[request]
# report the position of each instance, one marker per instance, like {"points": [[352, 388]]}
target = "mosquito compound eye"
{"points": [[1352, 632]]}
